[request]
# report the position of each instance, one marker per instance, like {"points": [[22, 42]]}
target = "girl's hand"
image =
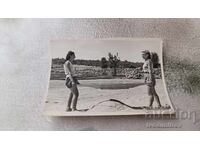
{"points": [[73, 84]]}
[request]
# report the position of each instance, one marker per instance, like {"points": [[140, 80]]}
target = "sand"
{"points": [[95, 95]]}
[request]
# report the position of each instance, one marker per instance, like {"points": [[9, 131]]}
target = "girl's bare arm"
{"points": [[150, 68]]}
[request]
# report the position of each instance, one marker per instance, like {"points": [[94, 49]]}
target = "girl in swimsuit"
{"points": [[150, 78]]}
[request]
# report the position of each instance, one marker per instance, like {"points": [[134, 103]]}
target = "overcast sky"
{"points": [[128, 49]]}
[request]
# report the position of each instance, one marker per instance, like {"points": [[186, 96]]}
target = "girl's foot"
{"points": [[145, 107], [68, 109], [150, 107], [74, 109]]}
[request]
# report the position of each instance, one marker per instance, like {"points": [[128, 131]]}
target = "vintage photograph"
{"points": [[99, 77]]}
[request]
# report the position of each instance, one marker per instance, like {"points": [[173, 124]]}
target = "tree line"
{"points": [[113, 61], [103, 63]]}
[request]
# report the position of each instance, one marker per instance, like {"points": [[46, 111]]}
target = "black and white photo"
{"points": [[99, 77]]}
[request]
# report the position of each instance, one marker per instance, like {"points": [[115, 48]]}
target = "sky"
{"points": [[127, 49]]}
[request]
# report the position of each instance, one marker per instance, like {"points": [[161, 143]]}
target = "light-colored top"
{"points": [[148, 66], [69, 69]]}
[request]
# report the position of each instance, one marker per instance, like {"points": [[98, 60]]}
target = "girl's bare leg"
{"points": [[151, 101], [69, 102], [156, 97], [75, 92], [151, 97]]}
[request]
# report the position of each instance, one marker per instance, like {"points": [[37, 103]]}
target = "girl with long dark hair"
{"points": [[71, 82]]}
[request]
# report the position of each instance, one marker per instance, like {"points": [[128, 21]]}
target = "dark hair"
{"points": [[149, 55], [146, 52], [70, 53]]}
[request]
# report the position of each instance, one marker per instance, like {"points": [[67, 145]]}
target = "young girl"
{"points": [[71, 81], [149, 78]]}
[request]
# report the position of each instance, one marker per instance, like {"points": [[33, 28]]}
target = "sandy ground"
{"points": [[94, 91]]}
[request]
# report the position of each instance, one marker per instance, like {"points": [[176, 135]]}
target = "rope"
{"points": [[112, 100], [122, 103]]}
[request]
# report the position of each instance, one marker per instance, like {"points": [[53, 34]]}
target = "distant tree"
{"points": [[104, 63], [113, 62], [58, 61], [132, 66], [155, 59], [126, 64]]}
